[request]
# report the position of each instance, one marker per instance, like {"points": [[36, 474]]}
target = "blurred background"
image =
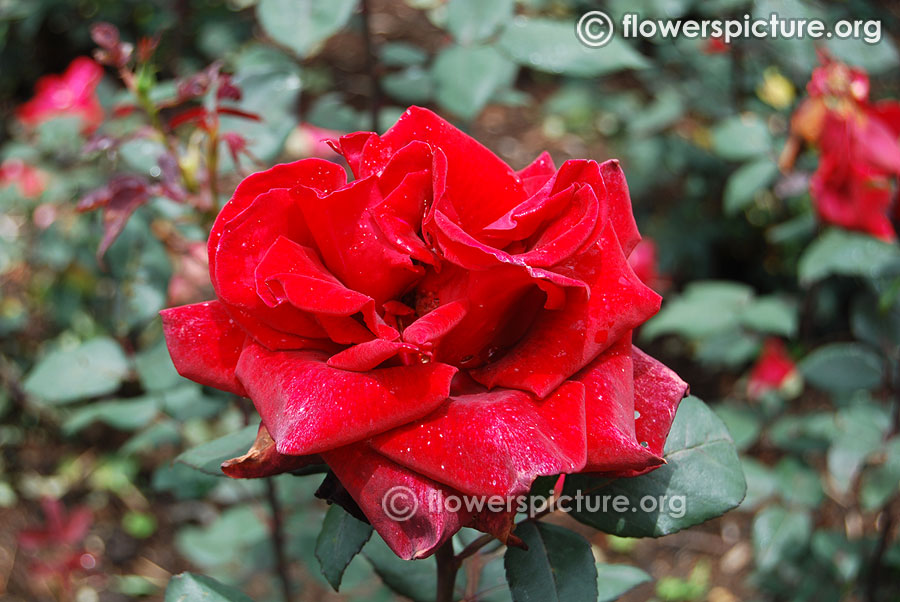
{"points": [[107, 200]]}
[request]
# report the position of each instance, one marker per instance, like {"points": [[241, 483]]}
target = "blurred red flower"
{"points": [[774, 369], [442, 323], [859, 145], [643, 260], [56, 550], [716, 46], [30, 180], [71, 94]]}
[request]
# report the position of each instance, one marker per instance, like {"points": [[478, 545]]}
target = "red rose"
{"points": [[442, 322], [774, 369], [859, 144], [71, 94]]}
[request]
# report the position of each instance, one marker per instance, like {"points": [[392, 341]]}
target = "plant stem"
{"points": [[212, 170], [278, 540], [887, 514], [371, 67], [447, 566], [880, 549]]}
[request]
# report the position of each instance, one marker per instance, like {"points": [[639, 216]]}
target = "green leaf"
{"points": [[401, 54], [412, 85], [557, 566], [861, 431], [771, 315], [123, 414], [704, 308], [158, 434], [155, 369], [142, 154], [613, 580], [761, 483], [795, 230], [94, 368], [414, 579], [844, 557], [798, 484], [133, 586], [779, 535], [552, 46], [190, 587], [882, 481], [701, 480], [271, 85], [208, 457], [302, 25], [802, 433], [666, 108], [466, 77], [843, 367], [838, 252], [225, 541], [741, 137], [341, 538], [474, 20], [746, 181], [743, 423], [875, 58], [876, 325], [731, 349]]}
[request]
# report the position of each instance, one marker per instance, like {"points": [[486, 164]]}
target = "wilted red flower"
{"points": [[30, 180], [56, 548], [71, 94], [854, 195], [774, 369], [442, 323], [859, 144], [643, 261]]}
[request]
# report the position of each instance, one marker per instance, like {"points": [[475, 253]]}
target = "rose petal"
{"points": [[609, 410], [366, 356], [479, 185], [276, 339], [493, 298], [263, 460], [852, 196], [657, 393], [350, 243], [536, 174], [293, 273], [386, 492], [243, 243], [205, 344], [577, 333], [618, 205], [310, 407], [494, 443], [435, 324], [322, 175]]}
